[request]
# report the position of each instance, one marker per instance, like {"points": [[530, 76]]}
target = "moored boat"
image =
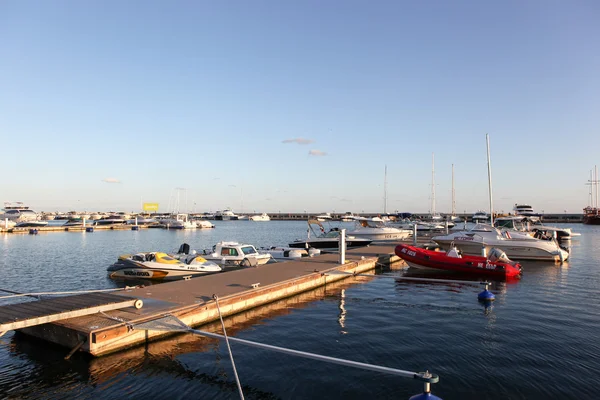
{"points": [[160, 266], [289, 253], [234, 253], [496, 264]]}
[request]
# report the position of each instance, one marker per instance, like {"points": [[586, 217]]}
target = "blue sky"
{"points": [[201, 95]]}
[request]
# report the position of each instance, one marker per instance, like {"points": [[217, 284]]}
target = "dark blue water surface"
{"points": [[539, 340]]}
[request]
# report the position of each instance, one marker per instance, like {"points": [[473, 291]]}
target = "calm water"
{"points": [[538, 341]]}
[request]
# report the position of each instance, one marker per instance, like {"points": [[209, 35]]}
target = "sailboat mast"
{"points": [[453, 195], [596, 184], [432, 184], [385, 191], [487, 140]]}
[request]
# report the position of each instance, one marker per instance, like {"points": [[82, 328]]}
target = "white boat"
{"points": [[422, 226], [226, 215], [326, 240], [203, 224], [480, 216], [533, 227], [517, 245], [348, 217], [375, 229], [525, 210], [18, 212], [261, 217], [161, 266], [179, 221], [234, 253], [324, 217], [289, 253], [110, 220], [31, 224]]}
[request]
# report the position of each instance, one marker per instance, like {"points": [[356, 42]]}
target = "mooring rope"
{"points": [[17, 294], [237, 379]]}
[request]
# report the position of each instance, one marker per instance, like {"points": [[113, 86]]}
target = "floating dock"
{"points": [[192, 301]]}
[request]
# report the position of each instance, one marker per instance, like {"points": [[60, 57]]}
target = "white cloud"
{"points": [[111, 180], [317, 153], [298, 141]]}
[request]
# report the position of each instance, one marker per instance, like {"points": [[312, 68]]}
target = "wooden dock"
{"points": [[192, 300]]}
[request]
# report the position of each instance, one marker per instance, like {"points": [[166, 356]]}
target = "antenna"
{"points": [[432, 184], [385, 191], [453, 194], [487, 140]]}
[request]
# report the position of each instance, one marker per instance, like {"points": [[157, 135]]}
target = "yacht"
{"points": [[533, 227], [262, 217], [348, 217], [324, 217], [226, 215], [480, 216], [179, 221], [18, 212], [110, 220], [375, 229], [526, 210], [322, 240], [516, 245]]}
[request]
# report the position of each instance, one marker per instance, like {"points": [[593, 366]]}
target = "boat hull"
{"points": [[427, 259]]}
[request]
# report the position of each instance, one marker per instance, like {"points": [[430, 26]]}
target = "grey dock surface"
{"points": [[192, 300]]}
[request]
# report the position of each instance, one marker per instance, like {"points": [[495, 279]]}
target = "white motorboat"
{"points": [[517, 245], [226, 215], [179, 221], [234, 253], [480, 216], [289, 253], [375, 229], [110, 220], [535, 228], [18, 212], [161, 266], [422, 226], [348, 217], [527, 211], [203, 224], [324, 217], [31, 224], [262, 217], [326, 240]]}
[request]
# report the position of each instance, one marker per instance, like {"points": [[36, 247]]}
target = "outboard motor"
{"points": [[497, 255], [184, 249]]}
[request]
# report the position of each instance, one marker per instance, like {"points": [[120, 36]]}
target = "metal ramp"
{"points": [[24, 315]]}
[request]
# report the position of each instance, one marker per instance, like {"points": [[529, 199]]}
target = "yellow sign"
{"points": [[150, 206]]}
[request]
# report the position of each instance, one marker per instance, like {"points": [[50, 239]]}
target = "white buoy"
{"points": [[342, 246]]}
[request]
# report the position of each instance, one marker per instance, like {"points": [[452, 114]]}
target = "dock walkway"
{"points": [[192, 300]]}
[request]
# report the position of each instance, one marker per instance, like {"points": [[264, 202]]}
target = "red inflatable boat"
{"points": [[496, 264]]}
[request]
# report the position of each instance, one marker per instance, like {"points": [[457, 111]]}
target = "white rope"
{"points": [[237, 379], [60, 293]]}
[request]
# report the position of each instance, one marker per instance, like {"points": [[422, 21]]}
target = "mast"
{"points": [[432, 184], [596, 183], [487, 140], [453, 195], [385, 191]]}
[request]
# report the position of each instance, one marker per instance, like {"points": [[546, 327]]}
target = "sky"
{"points": [[293, 106]]}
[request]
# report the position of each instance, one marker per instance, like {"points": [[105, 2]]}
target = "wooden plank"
{"points": [[64, 315]]}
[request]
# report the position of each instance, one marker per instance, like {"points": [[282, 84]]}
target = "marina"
{"points": [[253, 299]]}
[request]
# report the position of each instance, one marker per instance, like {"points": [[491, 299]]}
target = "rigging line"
{"points": [[237, 379], [60, 293]]}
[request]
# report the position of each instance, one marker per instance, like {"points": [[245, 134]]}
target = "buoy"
{"points": [[486, 295], [135, 228], [89, 229], [33, 231], [138, 304], [428, 378]]}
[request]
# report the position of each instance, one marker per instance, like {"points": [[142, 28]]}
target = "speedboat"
{"points": [[496, 264], [517, 245], [375, 229], [226, 215], [110, 220], [324, 217], [289, 253], [31, 224], [203, 224], [329, 240], [348, 217], [161, 266], [534, 227], [262, 217], [234, 253]]}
